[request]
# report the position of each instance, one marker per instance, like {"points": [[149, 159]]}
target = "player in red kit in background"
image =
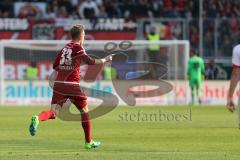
{"points": [[66, 85]]}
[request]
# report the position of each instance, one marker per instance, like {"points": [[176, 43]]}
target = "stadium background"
{"points": [[110, 19], [212, 28], [206, 132]]}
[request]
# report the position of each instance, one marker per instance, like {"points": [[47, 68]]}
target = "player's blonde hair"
{"points": [[77, 31]]}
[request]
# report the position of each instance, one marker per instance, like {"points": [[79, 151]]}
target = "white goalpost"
{"points": [[1, 74], [16, 55]]}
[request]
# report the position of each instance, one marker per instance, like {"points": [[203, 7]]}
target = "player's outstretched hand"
{"points": [[109, 58], [230, 105]]}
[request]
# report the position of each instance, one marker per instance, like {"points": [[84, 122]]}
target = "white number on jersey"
{"points": [[66, 56]]}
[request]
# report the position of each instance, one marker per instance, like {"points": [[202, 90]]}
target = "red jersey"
{"points": [[68, 62]]}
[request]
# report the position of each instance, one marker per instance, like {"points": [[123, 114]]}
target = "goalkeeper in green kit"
{"points": [[195, 73]]}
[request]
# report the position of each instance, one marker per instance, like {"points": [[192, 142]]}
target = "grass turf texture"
{"points": [[212, 134]]}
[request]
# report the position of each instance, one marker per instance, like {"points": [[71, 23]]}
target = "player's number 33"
{"points": [[66, 57]]}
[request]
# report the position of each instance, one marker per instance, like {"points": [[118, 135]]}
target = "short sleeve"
{"points": [[87, 59], [236, 56], [84, 56]]}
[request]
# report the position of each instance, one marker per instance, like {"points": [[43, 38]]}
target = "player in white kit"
{"points": [[234, 77]]}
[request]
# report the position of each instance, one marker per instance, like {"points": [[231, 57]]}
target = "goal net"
{"points": [[17, 55]]}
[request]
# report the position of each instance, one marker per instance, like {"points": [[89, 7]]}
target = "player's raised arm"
{"points": [[78, 34], [103, 60], [91, 61], [234, 77]]}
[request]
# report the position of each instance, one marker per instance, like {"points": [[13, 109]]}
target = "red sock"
{"points": [[46, 115], [86, 124]]}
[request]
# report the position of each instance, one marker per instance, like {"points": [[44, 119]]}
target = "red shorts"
{"points": [[62, 92]]}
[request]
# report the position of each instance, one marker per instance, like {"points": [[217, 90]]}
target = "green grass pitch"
{"points": [[209, 133]]}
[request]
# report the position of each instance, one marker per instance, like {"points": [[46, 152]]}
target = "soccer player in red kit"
{"points": [[66, 85]]}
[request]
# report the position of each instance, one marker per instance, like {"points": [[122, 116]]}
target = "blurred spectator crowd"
{"points": [[107, 8], [127, 8], [219, 35]]}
